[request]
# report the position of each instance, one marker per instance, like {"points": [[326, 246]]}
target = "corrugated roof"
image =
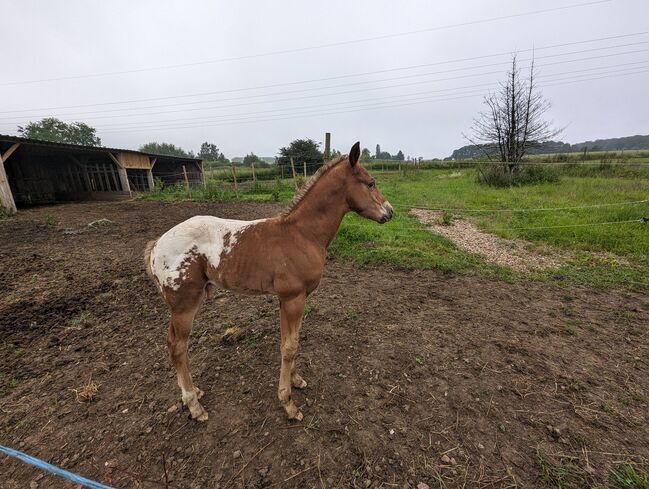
{"points": [[98, 149]]}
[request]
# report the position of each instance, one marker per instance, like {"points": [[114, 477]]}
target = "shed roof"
{"points": [[97, 149]]}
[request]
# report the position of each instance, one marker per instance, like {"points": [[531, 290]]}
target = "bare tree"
{"points": [[514, 119]]}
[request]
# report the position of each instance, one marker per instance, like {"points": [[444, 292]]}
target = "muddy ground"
{"points": [[414, 376]]}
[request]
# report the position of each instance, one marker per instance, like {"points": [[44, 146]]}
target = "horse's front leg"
{"points": [[291, 312]]}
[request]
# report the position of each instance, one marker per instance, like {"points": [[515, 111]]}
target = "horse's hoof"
{"points": [[202, 417], [298, 416], [299, 383]]}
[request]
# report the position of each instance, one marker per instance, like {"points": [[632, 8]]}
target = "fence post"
{"points": [[234, 177], [254, 176], [186, 179], [327, 148], [294, 176], [305, 169]]}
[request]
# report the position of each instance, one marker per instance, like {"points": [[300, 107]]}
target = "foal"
{"points": [[283, 255]]}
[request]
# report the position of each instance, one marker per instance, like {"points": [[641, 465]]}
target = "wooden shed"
{"points": [[41, 172]]}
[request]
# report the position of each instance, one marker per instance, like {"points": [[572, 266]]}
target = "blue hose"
{"points": [[28, 459]]}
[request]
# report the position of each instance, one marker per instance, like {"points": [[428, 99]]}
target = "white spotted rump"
{"points": [[198, 236]]}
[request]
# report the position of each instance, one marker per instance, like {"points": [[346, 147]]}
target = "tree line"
{"points": [[301, 150]]}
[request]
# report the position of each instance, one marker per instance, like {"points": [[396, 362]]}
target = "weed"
{"points": [[49, 221], [104, 296], [607, 408], [252, 340], [48, 412], [82, 319], [570, 327], [299, 181], [562, 474], [7, 388], [446, 219], [626, 476], [577, 385], [351, 314], [197, 333], [19, 352], [633, 398], [419, 359], [307, 310]]}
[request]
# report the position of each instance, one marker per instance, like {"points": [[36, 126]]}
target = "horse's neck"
{"points": [[319, 214]]}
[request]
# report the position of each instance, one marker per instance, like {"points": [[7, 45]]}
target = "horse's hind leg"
{"points": [[183, 304]]}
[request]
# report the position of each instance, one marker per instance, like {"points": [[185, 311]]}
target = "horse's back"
{"points": [[205, 238]]}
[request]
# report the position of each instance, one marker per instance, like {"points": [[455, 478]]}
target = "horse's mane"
{"points": [[301, 193]]}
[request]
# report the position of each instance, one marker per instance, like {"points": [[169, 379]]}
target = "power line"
{"points": [[397, 96], [347, 103], [309, 48], [540, 209], [323, 113], [198, 94]]}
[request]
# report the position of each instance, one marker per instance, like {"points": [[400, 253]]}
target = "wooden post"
{"points": [[294, 175], [327, 148], [254, 176], [305, 169], [186, 179], [149, 178], [6, 197], [234, 176], [123, 177]]}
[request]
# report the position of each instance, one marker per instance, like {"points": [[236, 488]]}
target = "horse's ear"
{"points": [[354, 154]]}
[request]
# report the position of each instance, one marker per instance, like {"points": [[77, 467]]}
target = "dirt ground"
{"points": [[414, 376]]}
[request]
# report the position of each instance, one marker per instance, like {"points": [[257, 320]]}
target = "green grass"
{"points": [[599, 252], [562, 473], [627, 476], [49, 221]]}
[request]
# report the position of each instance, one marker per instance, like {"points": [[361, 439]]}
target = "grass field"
{"points": [[602, 254], [511, 213]]}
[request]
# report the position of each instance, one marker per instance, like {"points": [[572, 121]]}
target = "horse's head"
{"points": [[363, 196]]}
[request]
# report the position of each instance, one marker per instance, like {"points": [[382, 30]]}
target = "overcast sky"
{"points": [[252, 76]]}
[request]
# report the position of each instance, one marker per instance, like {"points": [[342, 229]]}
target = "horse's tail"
{"points": [[147, 257]]}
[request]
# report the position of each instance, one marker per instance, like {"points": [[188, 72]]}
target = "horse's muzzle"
{"points": [[388, 211]]}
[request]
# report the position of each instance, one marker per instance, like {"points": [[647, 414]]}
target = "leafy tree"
{"points": [[302, 151], [399, 156], [366, 155], [209, 152], [165, 149], [53, 129], [251, 158], [334, 154], [384, 155]]}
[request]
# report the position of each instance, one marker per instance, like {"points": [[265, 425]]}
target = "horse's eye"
{"points": [[371, 185]]}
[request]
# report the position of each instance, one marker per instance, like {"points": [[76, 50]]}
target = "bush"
{"points": [[502, 176]]}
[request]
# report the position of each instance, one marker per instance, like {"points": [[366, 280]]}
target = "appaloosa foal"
{"points": [[283, 255]]}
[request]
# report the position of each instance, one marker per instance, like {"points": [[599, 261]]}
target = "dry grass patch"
{"points": [[88, 392]]}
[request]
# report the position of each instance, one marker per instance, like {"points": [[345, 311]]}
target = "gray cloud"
{"points": [[419, 113]]}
